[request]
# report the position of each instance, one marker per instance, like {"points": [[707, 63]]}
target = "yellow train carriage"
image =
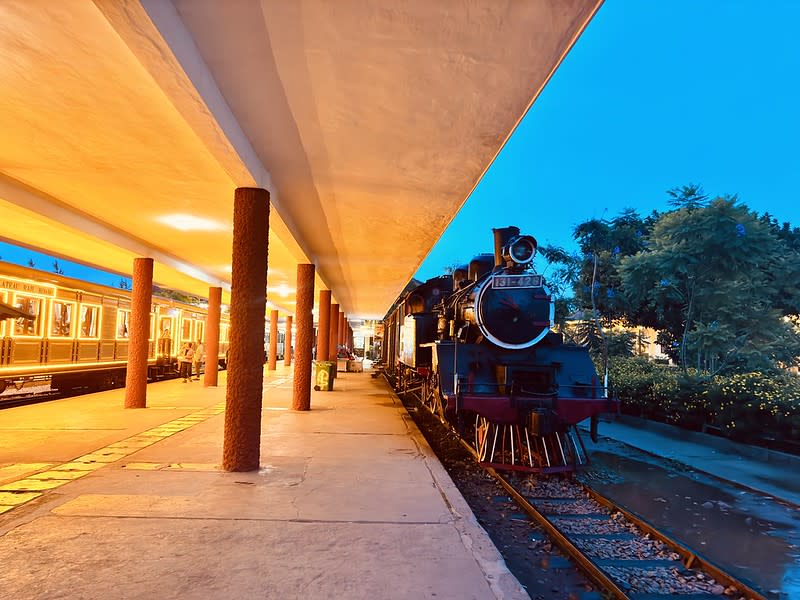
{"points": [[75, 333]]}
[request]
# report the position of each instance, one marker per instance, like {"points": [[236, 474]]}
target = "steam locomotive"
{"points": [[478, 349]]}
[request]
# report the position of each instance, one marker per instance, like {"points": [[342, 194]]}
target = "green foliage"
{"points": [[690, 197], [743, 406], [176, 295], [603, 245], [620, 343], [712, 277]]}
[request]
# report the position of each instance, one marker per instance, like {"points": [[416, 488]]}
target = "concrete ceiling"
{"points": [[369, 122]]}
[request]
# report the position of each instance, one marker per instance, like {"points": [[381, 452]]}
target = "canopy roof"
{"points": [[128, 124]]}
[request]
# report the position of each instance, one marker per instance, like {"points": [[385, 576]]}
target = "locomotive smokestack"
{"points": [[501, 238]]}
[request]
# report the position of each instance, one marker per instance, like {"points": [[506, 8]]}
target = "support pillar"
{"points": [[334, 337], [334, 332], [324, 329], [301, 398], [342, 323], [287, 346], [210, 378], [241, 445], [273, 340], [139, 334]]}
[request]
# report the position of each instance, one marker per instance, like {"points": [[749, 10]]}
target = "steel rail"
{"points": [[691, 558], [595, 573]]}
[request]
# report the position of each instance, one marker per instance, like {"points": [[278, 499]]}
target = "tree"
{"points": [[691, 197], [561, 280], [603, 245], [711, 277]]}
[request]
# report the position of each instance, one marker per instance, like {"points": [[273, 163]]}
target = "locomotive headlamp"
{"points": [[520, 249]]}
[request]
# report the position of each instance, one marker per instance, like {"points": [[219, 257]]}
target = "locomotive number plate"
{"points": [[517, 281]]}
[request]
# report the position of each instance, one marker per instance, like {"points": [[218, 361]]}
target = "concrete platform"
{"points": [[100, 502]]}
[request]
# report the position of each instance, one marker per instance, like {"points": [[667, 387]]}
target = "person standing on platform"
{"points": [[198, 358], [185, 355]]}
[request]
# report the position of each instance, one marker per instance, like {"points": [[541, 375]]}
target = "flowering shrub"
{"points": [[743, 406]]}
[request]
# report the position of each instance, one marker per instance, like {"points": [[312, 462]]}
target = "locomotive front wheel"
{"points": [[481, 434]]}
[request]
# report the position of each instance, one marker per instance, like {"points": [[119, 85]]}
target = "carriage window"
{"points": [[32, 306], [123, 323], [89, 320], [165, 328], [62, 319], [200, 331], [165, 336], [186, 331], [223, 333]]}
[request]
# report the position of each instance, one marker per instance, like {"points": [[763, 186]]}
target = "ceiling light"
{"points": [[190, 223]]}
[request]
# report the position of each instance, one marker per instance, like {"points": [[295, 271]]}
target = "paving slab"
{"points": [[349, 502]]}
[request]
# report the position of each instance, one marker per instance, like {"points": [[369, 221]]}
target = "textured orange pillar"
{"points": [[334, 336], [342, 323], [301, 399], [241, 447], [287, 346], [139, 334], [324, 329], [212, 337], [273, 340], [333, 340]]}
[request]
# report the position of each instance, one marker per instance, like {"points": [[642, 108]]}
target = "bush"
{"points": [[744, 406]]}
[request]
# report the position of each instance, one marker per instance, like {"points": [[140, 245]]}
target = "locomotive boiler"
{"points": [[479, 350]]}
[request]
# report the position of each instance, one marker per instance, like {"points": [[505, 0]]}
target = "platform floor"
{"points": [[100, 502]]}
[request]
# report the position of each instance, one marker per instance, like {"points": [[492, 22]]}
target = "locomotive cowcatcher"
{"points": [[478, 349]]}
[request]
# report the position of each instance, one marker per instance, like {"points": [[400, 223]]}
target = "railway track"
{"points": [[12, 400], [622, 554]]}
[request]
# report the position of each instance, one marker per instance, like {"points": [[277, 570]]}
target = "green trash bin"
{"points": [[323, 375]]}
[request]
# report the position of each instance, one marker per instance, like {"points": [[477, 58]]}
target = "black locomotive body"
{"points": [[478, 349]]}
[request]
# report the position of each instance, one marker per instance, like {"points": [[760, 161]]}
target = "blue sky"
{"points": [[653, 96]]}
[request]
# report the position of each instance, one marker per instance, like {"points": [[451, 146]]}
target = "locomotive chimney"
{"points": [[501, 238]]}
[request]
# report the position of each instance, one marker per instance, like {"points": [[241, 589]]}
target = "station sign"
{"points": [[26, 287]]}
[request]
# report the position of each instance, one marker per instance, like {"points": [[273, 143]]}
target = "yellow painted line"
{"points": [[60, 475], [16, 468], [128, 445], [19, 492], [194, 466], [32, 485], [144, 466], [78, 466], [17, 498], [101, 458]]}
